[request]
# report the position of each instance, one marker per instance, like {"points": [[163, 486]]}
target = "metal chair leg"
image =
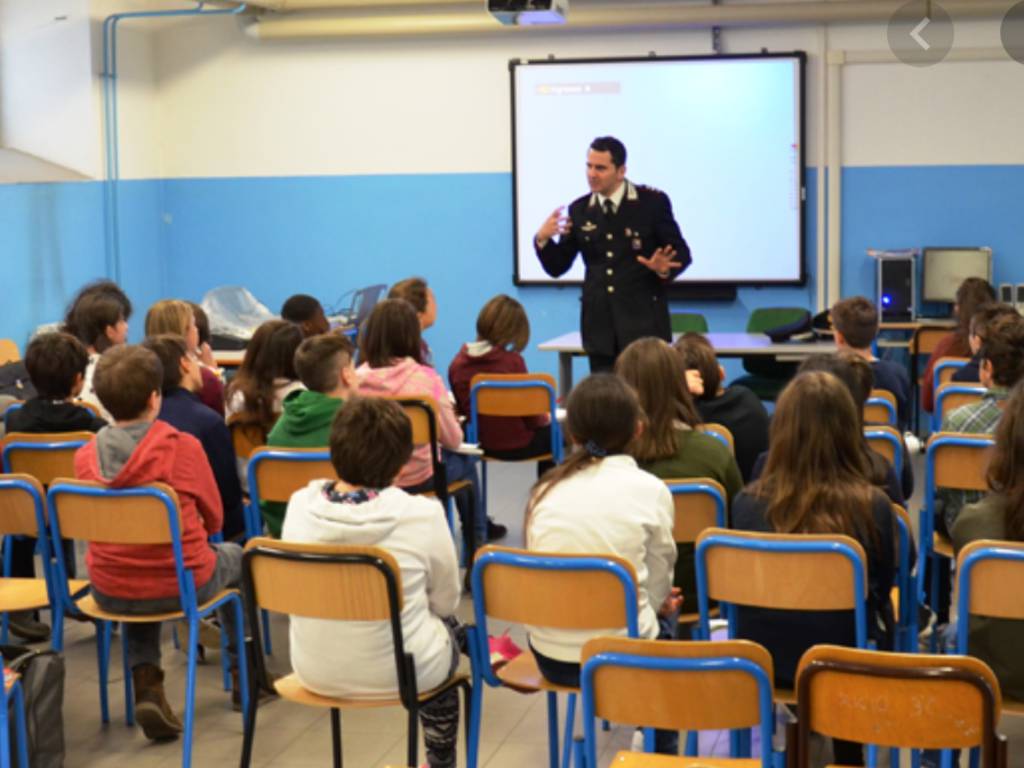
{"points": [[412, 737], [336, 736], [570, 721], [553, 729], [102, 660], [190, 694], [129, 694]]}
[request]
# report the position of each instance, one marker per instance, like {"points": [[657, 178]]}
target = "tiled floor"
{"points": [[514, 731]]}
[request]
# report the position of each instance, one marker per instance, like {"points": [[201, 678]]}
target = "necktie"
{"points": [[609, 209]]}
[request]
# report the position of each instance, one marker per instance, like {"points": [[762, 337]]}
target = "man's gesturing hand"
{"points": [[661, 261], [555, 224]]}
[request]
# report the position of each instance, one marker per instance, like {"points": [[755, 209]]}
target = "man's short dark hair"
{"points": [[53, 361], [319, 360], [1004, 349], [300, 308], [857, 319], [170, 349], [371, 440], [413, 290], [612, 146], [126, 375]]}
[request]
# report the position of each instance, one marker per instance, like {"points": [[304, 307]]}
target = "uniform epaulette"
{"points": [[649, 188]]}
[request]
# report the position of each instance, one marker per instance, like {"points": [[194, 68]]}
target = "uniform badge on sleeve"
{"points": [[588, 227]]}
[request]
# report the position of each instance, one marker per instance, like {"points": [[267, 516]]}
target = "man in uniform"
{"points": [[632, 248]]}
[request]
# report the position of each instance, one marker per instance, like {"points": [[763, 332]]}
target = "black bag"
{"points": [[14, 381], [42, 682]]}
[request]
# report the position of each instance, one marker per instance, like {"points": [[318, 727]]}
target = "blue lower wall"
{"points": [[328, 235]]}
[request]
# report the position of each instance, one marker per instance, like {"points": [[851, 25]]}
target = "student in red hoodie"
{"points": [[502, 332], [140, 579]]}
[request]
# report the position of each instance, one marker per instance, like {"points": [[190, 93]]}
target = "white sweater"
{"points": [[611, 507], [356, 659]]}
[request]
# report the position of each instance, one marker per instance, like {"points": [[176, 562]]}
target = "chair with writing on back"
{"points": [[145, 515], [337, 583], [594, 592], [902, 700], [675, 686], [515, 395]]}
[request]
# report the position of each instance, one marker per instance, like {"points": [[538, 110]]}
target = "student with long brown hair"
{"points": [[599, 501], [815, 481], [267, 373], [1000, 516], [179, 319]]}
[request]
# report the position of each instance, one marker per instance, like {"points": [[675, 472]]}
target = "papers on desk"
{"points": [[470, 449]]}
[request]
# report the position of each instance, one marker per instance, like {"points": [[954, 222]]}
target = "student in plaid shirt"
{"points": [[1002, 366]]}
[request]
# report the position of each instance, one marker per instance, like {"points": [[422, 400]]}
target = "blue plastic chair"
{"points": [[951, 461], [699, 504], [14, 698], [886, 441], [510, 396], [11, 408], [145, 515], [876, 406], [952, 395], [544, 589], [696, 682], [721, 433], [944, 368]]}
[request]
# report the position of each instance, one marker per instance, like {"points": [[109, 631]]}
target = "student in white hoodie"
{"points": [[370, 441], [599, 501]]}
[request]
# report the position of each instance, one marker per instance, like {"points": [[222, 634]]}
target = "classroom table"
{"points": [[569, 345]]}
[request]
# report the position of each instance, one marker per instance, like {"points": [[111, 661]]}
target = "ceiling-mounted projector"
{"points": [[527, 12]]}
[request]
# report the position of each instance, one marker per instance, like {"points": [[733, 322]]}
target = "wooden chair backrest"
{"points": [[881, 446], [246, 435], [678, 700], [419, 418], [722, 431], [947, 371], [953, 400], [694, 512], [17, 507], [819, 581], [896, 699], [927, 337], [553, 598], [525, 401], [278, 477], [44, 465], [997, 586], [875, 413], [312, 586], [113, 519], [884, 394], [963, 466], [9, 352]]}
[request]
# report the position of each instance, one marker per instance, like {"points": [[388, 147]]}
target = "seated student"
{"points": [[307, 313], [855, 321], [814, 482], [972, 293], [98, 317], [416, 291], [182, 409], [670, 445], [324, 364], [370, 441], [390, 349], [736, 408], [204, 350], [267, 374], [1000, 516], [502, 332], [140, 579], [1002, 366], [599, 501], [983, 317], [170, 316], [56, 364]]}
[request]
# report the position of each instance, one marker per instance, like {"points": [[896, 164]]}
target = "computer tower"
{"points": [[896, 294], [1006, 294]]}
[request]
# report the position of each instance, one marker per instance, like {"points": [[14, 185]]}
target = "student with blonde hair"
{"points": [[179, 318]]}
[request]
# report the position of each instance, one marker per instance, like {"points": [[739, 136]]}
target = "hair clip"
{"points": [[594, 449]]}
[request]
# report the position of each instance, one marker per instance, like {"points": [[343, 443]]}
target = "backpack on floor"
{"points": [[42, 682]]}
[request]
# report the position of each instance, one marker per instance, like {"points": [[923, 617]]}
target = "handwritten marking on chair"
{"points": [[921, 707]]}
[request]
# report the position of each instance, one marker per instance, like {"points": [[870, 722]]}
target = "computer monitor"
{"points": [[945, 268]]}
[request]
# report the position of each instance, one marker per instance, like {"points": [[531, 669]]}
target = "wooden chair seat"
{"points": [[645, 760], [523, 675], [942, 545], [91, 608], [455, 487], [693, 618], [24, 594], [289, 687], [540, 457]]}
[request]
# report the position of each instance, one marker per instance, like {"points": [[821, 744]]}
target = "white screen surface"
{"points": [[722, 137]]}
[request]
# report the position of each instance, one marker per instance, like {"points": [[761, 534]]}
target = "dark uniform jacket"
{"points": [[622, 299]]}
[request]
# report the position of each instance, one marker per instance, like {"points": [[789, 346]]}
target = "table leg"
{"points": [[564, 375]]}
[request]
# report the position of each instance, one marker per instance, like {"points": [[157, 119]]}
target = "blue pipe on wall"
{"points": [[110, 134]]}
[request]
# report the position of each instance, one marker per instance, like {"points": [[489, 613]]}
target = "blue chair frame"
{"points": [[926, 522], [692, 488], [720, 438], [13, 695], [11, 408], [944, 365], [890, 409], [906, 621], [586, 753], [956, 389], [874, 433], [477, 635], [473, 431], [189, 607]]}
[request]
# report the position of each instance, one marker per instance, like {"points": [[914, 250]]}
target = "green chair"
{"points": [[689, 322], [766, 375]]}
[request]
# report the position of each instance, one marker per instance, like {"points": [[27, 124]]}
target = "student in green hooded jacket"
{"points": [[324, 365]]}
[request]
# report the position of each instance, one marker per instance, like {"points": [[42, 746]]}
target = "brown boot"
{"points": [[152, 712]]}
